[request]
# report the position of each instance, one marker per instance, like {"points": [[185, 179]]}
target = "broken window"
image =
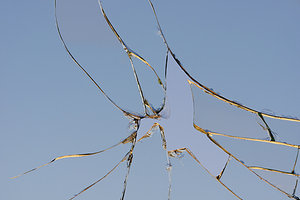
{"points": [[240, 151]]}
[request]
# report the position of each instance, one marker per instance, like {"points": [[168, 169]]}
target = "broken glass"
{"points": [[257, 152]]}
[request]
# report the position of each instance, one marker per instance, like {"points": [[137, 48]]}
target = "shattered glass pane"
{"points": [[252, 143], [181, 133], [88, 37]]}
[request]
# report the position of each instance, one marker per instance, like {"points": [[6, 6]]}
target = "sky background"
{"points": [[246, 50]]}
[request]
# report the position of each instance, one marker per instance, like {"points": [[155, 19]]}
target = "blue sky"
{"points": [[247, 51]]}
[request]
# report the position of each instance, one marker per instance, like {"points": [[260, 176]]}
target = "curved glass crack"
{"points": [[213, 116]]}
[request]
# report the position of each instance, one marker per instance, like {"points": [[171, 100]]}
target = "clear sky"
{"points": [[246, 50]]}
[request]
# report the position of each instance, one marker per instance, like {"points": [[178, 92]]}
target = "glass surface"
{"points": [[138, 97]]}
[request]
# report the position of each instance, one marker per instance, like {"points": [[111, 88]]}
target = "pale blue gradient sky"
{"points": [[246, 50]]}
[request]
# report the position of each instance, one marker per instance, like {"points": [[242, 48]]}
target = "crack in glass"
{"points": [[248, 148]]}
